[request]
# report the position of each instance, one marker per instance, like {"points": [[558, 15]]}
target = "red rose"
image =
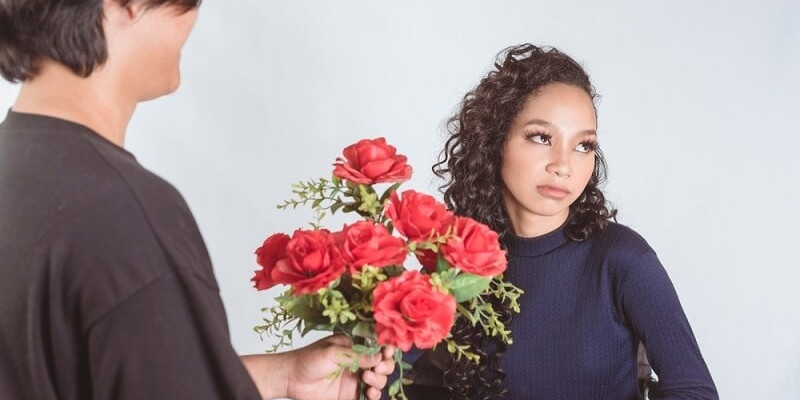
{"points": [[273, 249], [418, 216], [372, 161], [409, 310], [428, 259], [474, 248], [366, 242], [313, 261]]}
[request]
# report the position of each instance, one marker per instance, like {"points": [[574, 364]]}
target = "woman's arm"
{"points": [[651, 307]]}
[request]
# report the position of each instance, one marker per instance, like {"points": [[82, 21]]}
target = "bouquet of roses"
{"points": [[355, 282]]}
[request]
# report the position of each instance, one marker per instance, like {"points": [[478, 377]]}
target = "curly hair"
{"points": [[471, 163]]}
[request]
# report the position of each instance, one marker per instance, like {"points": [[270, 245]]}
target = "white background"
{"points": [[698, 122]]}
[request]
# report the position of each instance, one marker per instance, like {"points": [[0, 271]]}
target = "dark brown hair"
{"points": [[67, 31], [470, 164]]}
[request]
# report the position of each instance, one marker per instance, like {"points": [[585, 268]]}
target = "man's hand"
{"points": [[305, 373], [311, 375]]}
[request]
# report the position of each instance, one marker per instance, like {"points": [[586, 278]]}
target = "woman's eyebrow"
{"points": [[537, 121]]}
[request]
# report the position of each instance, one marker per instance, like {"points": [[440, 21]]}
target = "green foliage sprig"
{"points": [[346, 305]]}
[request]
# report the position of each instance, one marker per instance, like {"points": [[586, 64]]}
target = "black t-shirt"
{"points": [[106, 287]]}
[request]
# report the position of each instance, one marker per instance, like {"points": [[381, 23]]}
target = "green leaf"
{"points": [[304, 310], [336, 206], [466, 286], [442, 264], [389, 191], [306, 329], [365, 330], [365, 349], [317, 327], [394, 388]]}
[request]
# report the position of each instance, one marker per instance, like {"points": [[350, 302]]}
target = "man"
{"points": [[106, 288]]}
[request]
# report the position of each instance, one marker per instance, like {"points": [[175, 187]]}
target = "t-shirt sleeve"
{"points": [[652, 308], [157, 345]]}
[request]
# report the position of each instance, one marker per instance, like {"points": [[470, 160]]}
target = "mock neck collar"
{"points": [[536, 246]]}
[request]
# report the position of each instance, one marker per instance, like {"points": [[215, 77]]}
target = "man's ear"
{"points": [[120, 14]]}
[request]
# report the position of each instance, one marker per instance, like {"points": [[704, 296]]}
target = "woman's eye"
{"points": [[586, 147], [540, 138]]}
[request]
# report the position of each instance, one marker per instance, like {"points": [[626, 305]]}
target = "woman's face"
{"points": [[548, 158]]}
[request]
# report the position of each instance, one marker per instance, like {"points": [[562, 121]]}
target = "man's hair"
{"points": [[67, 31]]}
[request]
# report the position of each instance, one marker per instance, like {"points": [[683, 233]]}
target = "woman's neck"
{"points": [[528, 225]]}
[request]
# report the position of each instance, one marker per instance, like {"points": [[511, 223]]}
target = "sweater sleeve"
{"points": [[651, 307]]}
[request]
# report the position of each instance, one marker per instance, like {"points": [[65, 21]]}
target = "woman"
{"points": [[523, 158]]}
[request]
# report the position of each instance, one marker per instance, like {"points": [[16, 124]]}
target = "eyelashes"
{"points": [[539, 137], [585, 146]]}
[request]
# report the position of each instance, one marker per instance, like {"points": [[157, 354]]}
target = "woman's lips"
{"points": [[553, 192]]}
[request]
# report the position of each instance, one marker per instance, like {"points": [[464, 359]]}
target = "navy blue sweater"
{"points": [[586, 307]]}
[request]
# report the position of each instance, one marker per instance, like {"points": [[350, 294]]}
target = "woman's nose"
{"points": [[560, 165]]}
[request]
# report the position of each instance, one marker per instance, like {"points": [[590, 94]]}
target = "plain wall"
{"points": [[697, 120]]}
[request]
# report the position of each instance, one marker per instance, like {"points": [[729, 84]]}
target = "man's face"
{"points": [[146, 48]]}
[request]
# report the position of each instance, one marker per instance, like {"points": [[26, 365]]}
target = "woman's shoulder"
{"points": [[623, 247], [619, 237]]}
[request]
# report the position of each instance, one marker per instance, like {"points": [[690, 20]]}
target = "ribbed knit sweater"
{"points": [[586, 307]]}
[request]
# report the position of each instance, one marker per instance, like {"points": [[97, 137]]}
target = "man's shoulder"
{"points": [[45, 147], [92, 211], [83, 203]]}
